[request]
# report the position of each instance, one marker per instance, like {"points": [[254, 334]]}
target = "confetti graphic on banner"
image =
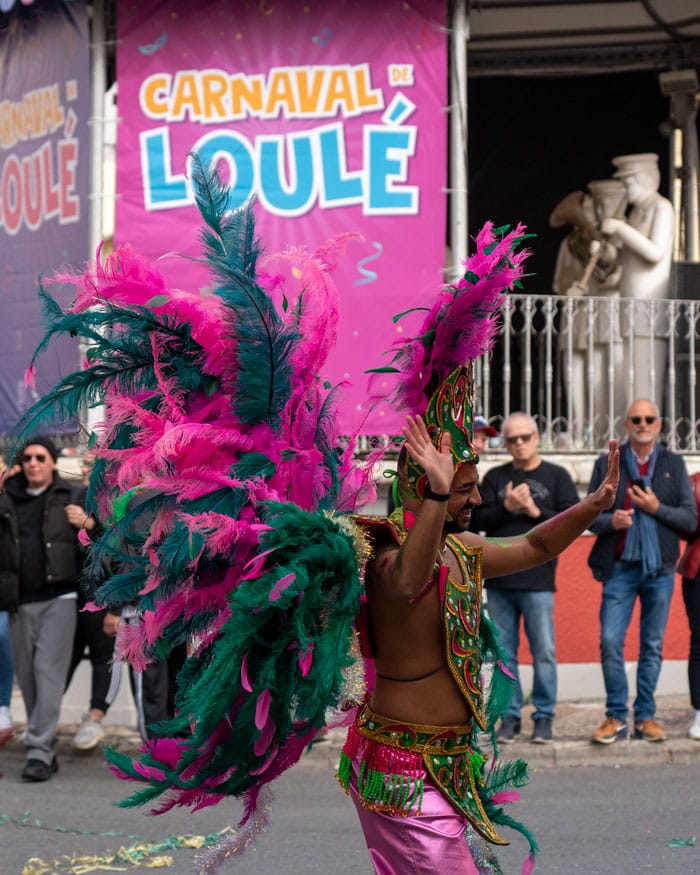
{"points": [[153, 47], [322, 38], [368, 276]]}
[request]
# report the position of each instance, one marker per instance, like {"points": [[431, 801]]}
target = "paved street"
{"points": [[592, 819]]}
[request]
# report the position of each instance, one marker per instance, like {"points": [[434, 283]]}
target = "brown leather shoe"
{"points": [[609, 731], [649, 730]]}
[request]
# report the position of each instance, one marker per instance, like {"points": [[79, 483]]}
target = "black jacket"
{"points": [[60, 541], [677, 513], [552, 490]]}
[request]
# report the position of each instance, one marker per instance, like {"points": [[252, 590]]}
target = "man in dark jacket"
{"points": [[634, 555], [38, 549]]}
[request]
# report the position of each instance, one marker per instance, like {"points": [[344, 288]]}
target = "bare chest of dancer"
{"points": [[413, 682]]}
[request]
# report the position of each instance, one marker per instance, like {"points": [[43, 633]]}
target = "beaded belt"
{"points": [[394, 758]]}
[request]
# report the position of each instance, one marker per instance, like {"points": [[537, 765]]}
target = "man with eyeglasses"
{"points": [[515, 498], [635, 555], [38, 553]]}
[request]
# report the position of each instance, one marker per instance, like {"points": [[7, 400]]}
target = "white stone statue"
{"points": [[646, 241], [590, 347]]}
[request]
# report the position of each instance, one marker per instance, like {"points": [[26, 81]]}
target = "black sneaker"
{"points": [[509, 729], [543, 730], [38, 770]]}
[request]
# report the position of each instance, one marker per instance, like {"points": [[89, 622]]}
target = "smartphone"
{"points": [[518, 476], [639, 482]]}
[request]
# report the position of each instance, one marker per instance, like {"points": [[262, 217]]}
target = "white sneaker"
{"points": [[694, 731], [5, 718], [89, 734]]}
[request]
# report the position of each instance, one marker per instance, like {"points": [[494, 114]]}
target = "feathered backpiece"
{"points": [[218, 472]]}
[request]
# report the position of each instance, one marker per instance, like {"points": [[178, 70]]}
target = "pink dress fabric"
{"points": [[418, 844]]}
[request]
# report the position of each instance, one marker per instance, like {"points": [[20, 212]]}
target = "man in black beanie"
{"points": [[39, 527]]}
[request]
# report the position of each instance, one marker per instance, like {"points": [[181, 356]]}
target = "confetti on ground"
{"points": [[681, 843], [141, 854]]}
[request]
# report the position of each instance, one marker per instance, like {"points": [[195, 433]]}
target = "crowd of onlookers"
{"points": [[635, 557], [48, 625]]}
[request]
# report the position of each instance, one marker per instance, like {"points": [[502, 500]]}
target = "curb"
{"points": [[629, 752], [573, 750]]}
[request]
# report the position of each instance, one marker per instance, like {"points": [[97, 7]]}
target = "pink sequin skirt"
{"points": [[415, 844]]}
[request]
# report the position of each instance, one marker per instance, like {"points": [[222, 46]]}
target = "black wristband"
{"points": [[436, 496]]}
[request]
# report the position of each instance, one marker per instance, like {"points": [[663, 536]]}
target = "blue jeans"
{"points": [[5, 661], [505, 608], [619, 594]]}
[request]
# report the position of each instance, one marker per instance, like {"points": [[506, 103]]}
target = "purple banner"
{"points": [[44, 151], [331, 114]]}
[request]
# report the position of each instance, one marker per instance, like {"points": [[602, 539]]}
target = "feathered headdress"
{"points": [[433, 371], [218, 470]]}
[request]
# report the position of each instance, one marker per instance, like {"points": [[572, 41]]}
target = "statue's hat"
{"points": [[640, 162]]}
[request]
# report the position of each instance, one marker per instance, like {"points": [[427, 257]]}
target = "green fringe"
{"points": [[384, 789], [343, 773]]}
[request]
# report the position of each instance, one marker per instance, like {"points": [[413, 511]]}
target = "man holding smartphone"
{"points": [[634, 555], [514, 498]]}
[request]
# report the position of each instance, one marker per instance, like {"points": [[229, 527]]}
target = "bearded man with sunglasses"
{"points": [[39, 527], [634, 556], [514, 499]]}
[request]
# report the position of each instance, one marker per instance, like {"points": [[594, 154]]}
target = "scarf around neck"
{"points": [[642, 538]]}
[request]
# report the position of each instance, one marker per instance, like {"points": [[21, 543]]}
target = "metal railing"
{"points": [[575, 363]]}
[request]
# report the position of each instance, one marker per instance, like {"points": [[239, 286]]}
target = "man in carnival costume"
{"points": [[411, 761], [227, 495]]}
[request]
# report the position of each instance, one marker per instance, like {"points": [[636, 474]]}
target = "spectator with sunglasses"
{"points": [[634, 555], [514, 499], [39, 565]]}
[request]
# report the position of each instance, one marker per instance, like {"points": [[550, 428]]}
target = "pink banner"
{"points": [[331, 114], [44, 180]]}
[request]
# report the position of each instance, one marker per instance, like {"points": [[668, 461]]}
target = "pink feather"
{"points": [[262, 708], [504, 668], [245, 680], [262, 743], [280, 586], [149, 772], [305, 659], [505, 796], [266, 765], [165, 750]]}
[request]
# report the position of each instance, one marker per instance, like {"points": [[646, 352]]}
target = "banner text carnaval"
{"points": [[290, 172]]}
